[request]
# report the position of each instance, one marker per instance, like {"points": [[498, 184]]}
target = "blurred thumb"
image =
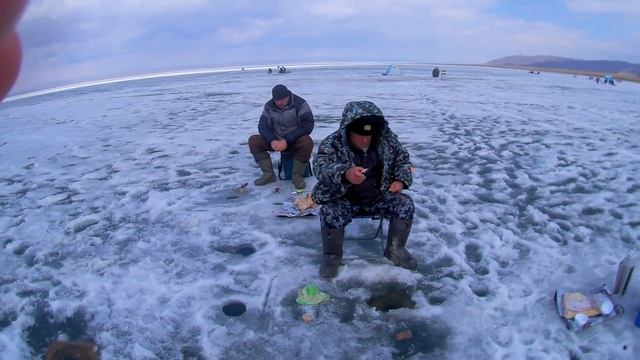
{"points": [[10, 57]]}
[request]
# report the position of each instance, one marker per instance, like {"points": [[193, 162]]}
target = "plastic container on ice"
{"points": [[581, 310], [625, 271]]}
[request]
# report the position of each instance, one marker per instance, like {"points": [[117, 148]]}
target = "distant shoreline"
{"points": [[617, 76], [261, 67]]}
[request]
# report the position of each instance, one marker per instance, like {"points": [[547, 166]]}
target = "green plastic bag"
{"points": [[311, 295]]}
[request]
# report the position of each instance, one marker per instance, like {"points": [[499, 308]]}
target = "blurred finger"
{"points": [[10, 56], [10, 11]]}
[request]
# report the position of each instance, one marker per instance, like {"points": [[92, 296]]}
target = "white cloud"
{"points": [[248, 31], [392, 10], [629, 8], [38, 9], [332, 8]]}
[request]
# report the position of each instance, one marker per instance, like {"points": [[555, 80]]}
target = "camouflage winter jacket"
{"points": [[335, 156]]}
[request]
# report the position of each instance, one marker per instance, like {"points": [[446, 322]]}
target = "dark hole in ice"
{"points": [[20, 249], [244, 250], [436, 299], [232, 197], [234, 308], [393, 299], [46, 329]]}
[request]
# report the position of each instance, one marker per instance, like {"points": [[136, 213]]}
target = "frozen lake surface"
{"points": [[118, 223]]}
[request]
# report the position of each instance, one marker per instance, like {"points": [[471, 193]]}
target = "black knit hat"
{"points": [[280, 92], [366, 125]]}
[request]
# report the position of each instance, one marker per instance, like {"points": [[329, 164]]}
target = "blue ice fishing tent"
{"points": [[608, 79], [392, 70]]}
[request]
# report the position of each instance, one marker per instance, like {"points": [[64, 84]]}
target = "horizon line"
{"points": [[199, 71]]}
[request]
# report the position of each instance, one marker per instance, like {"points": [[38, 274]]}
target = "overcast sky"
{"points": [[69, 41]]}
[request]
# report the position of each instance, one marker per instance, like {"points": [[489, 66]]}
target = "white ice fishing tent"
{"points": [[392, 70]]}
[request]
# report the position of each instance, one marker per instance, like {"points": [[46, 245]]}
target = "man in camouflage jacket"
{"points": [[362, 169]]}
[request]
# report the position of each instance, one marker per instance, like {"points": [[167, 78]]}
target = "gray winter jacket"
{"points": [[334, 156], [288, 123]]}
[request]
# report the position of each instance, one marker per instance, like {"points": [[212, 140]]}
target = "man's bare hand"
{"points": [[355, 175], [396, 186], [279, 145]]}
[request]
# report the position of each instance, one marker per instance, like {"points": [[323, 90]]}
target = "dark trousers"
{"points": [[340, 212], [301, 149]]}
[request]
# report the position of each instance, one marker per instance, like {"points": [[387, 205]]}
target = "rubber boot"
{"points": [[396, 240], [268, 176], [331, 251], [297, 173]]}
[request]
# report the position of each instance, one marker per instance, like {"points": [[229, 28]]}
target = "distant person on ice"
{"points": [[285, 125], [362, 169]]}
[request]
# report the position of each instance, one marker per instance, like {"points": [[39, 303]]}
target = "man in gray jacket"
{"points": [[362, 169], [285, 125]]}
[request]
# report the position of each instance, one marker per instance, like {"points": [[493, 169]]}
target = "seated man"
{"points": [[362, 169], [285, 125]]}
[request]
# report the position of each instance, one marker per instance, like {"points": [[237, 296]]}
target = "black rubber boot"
{"points": [[268, 176], [331, 251], [396, 241], [297, 173]]}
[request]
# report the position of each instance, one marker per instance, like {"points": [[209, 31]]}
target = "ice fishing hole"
{"points": [[436, 300], [392, 299], [234, 308], [245, 250]]}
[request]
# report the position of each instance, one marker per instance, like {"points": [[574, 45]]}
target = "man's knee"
{"points": [[305, 142], [406, 201], [303, 148], [403, 206], [334, 216], [257, 144]]}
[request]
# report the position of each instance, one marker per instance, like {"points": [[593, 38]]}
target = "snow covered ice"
{"points": [[118, 223]]}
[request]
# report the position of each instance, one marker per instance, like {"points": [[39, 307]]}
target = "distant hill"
{"points": [[620, 69]]}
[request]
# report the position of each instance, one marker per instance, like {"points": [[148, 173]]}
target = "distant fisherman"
{"points": [[285, 125]]}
